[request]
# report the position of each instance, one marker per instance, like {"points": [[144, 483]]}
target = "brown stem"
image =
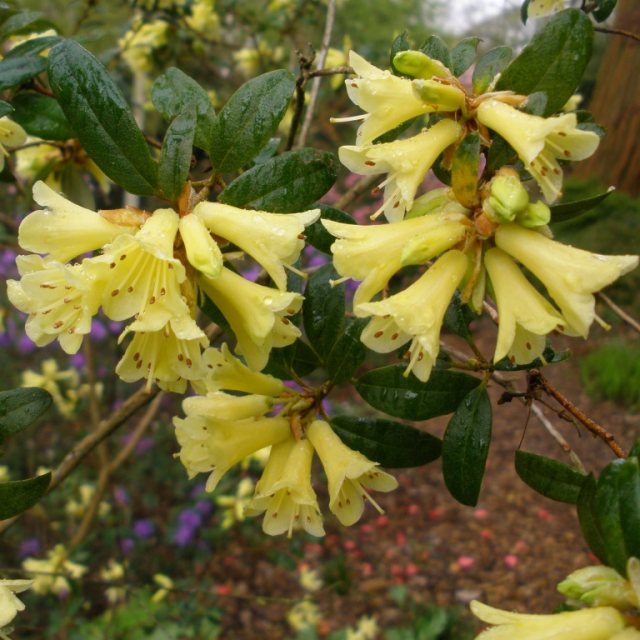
{"points": [[537, 379], [618, 32], [334, 71], [305, 66], [363, 184], [620, 312]]}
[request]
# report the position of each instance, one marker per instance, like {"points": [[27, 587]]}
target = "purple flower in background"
{"points": [[144, 528], [121, 496], [25, 345], [77, 361], [204, 507], [98, 330], [198, 490], [29, 547], [189, 523], [127, 545]]}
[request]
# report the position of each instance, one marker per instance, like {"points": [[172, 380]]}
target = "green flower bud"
{"points": [[536, 214], [419, 65], [599, 586], [508, 198]]}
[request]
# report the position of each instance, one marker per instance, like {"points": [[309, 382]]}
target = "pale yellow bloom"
{"points": [[233, 507], [4, 473], [203, 252], [415, 314], [570, 275], [525, 315], [273, 240], [406, 161], [10, 604], [113, 572], [309, 579], [11, 135], [600, 623], [255, 313], [541, 8], [166, 584], [50, 574], [204, 18], [367, 628], [304, 615], [374, 253], [138, 45], [349, 474], [284, 491], [540, 142], [77, 508]]}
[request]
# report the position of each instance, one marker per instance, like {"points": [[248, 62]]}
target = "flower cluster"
{"points": [[475, 242], [50, 574], [10, 604], [152, 268]]}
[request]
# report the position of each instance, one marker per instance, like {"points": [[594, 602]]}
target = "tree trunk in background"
{"points": [[616, 106]]}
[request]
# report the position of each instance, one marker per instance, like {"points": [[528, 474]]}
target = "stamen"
{"points": [[362, 116]]}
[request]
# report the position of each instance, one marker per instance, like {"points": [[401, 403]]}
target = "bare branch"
{"points": [[620, 312]]}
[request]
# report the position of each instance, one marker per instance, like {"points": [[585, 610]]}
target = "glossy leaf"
{"points": [[32, 47], [348, 353], [458, 317], [174, 93], [24, 21], [391, 444], [489, 66], [499, 154], [465, 447], [20, 407], [20, 495], [463, 55], [290, 182], [388, 390], [568, 210], [323, 310], [249, 119], [400, 43], [297, 359], [549, 477], [41, 116], [317, 236], [101, 118], [554, 61], [435, 48], [175, 157], [588, 518], [629, 491], [464, 170], [15, 71], [536, 103], [604, 9]]}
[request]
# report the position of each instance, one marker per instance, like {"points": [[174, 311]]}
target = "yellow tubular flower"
{"points": [[406, 162], [525, 316], [626, 634], [203, 252], [168, 356], [274, 240], [11, 135], [144, 277], [62, 229], [540, 142], [60, 299], [255, 313], [10, 604], [223, 406], [587, 624], [415, 314], [570, 275], [373, 254], [349, 474], [285, 493], [388, 99]]}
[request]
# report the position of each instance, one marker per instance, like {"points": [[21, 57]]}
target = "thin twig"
{"points": [[618, 32], [315, 87], [363, 184], [620, 312], [333, 71]]}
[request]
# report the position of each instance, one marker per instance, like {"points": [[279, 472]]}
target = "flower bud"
{"points": [[537, 214], [202, 251], [444, 97], [508, 198], [599, 586], [419, 65]]}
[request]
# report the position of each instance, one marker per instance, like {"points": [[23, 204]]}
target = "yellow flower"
{"points": [[285, 493], [204, 19], [215, 443], [349, 474], [304, 615], [570, 275], [388, 99], [166, 584], [374, 253], [77, 508], [406, 162], [11, 135], [600, 623], [64, 230], [309, 579], [113, 572], [138, 45], [203, 252], [415, 314], [50, 575], [234, 506], [255, 313], [541, 8], [10, 604], [525, 315], [540, 142], [60, 299], [273, 240]]}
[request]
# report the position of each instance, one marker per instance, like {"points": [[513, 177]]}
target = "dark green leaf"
{"points": [[524, 11], [20, 495], [554, 61], [500, 153], [568, 210], [174, 93], [290, 182], [604, 9], [318, 236], [32, 47], [75, 188], [101, 118], [5, 108], [19, 408], [589, 520], [489, 66], [465, 447], [323, 310], [464, 170], [24, 21], [463, 55], [549, 356], [41, 116], [458, 317], [549, 477], [175, 157], [212, 312], [401, 43], [629, 491], [297, 359], [348, 353], [249, 119], [15, 71], [392, 444], [435, 48], [268, 151], [635, 450], [388, 390], [536, 103]]}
